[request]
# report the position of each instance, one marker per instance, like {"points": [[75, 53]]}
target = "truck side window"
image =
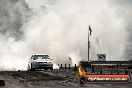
{"points": [[32, 57]]}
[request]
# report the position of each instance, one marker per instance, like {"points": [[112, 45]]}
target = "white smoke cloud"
{"points": [[13, 54], [59, 28], [63, 29]]}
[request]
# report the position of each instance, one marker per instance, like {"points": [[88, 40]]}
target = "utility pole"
{"points": [[89, 33]]}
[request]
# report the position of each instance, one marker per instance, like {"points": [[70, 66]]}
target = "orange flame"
{"points": [[81, 71]]}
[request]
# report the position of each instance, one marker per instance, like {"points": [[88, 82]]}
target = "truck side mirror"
{"points": [[32, 57]]}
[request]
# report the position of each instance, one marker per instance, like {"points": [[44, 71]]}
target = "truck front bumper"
{"points": [[41, 66]]}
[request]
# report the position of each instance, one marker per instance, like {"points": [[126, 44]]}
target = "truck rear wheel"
{"points": [[2, 83], [82, 80], [51, 68]]}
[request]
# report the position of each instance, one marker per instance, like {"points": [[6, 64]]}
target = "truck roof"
{"points": [[39, 54]]}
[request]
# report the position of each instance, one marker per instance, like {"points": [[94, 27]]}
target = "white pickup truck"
{"points": [[40, 61]]}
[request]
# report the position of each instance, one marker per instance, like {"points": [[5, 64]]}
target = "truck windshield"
{"points": [[40, 57]]}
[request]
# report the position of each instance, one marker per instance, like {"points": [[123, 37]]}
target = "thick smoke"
{"points": [[13, 13], [59, 28], [123, 8], [13, 50]]}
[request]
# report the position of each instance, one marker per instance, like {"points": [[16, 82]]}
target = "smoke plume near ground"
{"points": [[13, 49], [59, 29]]}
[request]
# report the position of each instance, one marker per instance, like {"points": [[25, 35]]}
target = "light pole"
{"points": [[89, 33]]}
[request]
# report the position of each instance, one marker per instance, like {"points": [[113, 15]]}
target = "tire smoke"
{"points": [[59, 28]]}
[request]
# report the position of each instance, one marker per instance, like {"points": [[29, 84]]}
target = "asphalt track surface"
{"points": [[49, 79]]}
